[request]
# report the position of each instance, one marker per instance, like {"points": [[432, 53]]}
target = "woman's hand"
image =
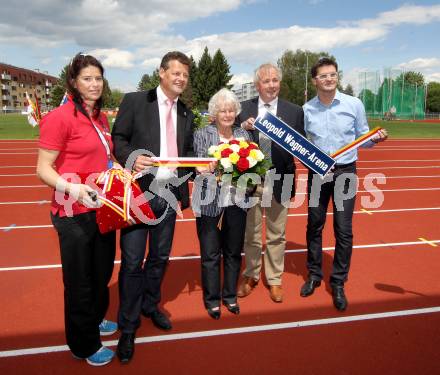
{"points": [[84, 194]]}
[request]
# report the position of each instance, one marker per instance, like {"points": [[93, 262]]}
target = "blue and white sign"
{"points": [[294, 143]]}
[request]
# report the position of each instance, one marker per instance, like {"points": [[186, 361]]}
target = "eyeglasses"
{"points": [[323, 77]]}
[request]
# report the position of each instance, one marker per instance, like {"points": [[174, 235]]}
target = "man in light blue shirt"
{"points": [[331, 121]]}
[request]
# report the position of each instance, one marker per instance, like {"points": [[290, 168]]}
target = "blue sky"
{"points": [[130, 36]]}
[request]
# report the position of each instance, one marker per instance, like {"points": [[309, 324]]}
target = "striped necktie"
{"points": [[265, 142]]}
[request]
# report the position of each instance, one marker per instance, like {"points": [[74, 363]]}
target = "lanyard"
{"points": [[101, 136], [105, 144]]}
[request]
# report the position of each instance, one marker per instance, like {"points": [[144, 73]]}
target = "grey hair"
{"points": [[266, 66], [223, 97]]}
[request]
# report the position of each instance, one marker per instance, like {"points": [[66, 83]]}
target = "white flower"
{"points": [[235, 148], [259, 155], [212, 149], [226, 164], [251, 161]]}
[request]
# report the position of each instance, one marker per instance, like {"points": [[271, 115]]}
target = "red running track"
{"points": [[392, 324]]}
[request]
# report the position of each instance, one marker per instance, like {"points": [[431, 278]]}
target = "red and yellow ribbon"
{"points": [[356, 143], [106, 178], [182, 162]]}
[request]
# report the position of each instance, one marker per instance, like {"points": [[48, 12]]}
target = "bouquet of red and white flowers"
{"points": [[239, 157]]}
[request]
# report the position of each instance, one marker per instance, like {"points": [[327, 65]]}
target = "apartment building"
{"points": [[15, 82], [245, 91]]}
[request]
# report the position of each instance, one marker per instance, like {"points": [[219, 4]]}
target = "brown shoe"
{"points": [[276, 293], [246, 286]]}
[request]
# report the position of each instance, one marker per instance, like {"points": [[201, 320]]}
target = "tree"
{"points": [[202, 85], [411, 78], [187, 95], [295, 66], [115, 98], [433, 97], [349, 90], [220, 72], [149, 82], [59, 89]]}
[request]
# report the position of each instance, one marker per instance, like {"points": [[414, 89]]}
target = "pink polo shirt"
{"points": [[81, 150]]}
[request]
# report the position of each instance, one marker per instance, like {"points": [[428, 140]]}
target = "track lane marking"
{"points": [[298, 193], [431, 243], [235, 331], [193, 257], [289, 215]]}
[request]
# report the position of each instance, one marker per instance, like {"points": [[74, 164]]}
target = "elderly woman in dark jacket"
{"points": [[220, 224]]}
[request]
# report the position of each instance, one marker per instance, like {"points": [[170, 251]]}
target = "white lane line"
{"points": [[193, 257], [289, 215], [18, 149], [299, 179], [18, 175], [235, 331], [297, 193], [23, 186], [30, 202], [402, 148], [18, 166], [18, 153]]}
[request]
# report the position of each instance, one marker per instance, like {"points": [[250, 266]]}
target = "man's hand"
{"points": [[248, 124], [208, 169], [381, 136], [142, 162]]}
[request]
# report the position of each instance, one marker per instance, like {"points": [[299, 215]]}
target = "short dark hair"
{"points": [[322, 62], [174, 55], [79, 62]]}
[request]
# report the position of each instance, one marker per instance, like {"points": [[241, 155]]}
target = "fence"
{"points": [[390, 97]]}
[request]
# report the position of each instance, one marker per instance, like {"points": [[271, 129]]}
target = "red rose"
{"points": [[252, 147], [234, 142], [244, 152], [242, 164], [226, 152]]}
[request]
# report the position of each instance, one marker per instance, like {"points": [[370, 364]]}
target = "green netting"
{"points": [[391, 97]]}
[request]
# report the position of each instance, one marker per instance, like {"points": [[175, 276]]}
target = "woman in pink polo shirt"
{"points": [[75, 142]]}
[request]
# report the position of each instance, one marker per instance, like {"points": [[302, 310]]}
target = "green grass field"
{"points": [[15, 126]]}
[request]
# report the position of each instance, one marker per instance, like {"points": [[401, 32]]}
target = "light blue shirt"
{"points": [[334, 126]]}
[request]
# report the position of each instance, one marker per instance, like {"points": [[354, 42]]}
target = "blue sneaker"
{"points": [[107, 328], [101, 357]]}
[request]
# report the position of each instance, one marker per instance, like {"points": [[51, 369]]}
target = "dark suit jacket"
{"points": [[137, 126], [282, 161]]}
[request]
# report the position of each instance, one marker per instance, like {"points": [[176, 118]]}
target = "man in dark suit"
{"points": [[267, 81], [157, 123]]}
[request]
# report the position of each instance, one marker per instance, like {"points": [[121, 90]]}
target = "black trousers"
{"points": [[337, 188], [87, 259], [139, 282], [213, 243]]}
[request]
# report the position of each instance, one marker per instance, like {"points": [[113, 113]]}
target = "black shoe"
{"points": [[339, 299], [125, 349], [233, 308], [159, 319], [309, 287], [214, 314]]}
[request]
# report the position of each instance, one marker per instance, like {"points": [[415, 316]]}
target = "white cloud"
{"points": [[114, 58], [131, 24], [429, 67], [421, 64], [239, 79], [151, 64]]}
